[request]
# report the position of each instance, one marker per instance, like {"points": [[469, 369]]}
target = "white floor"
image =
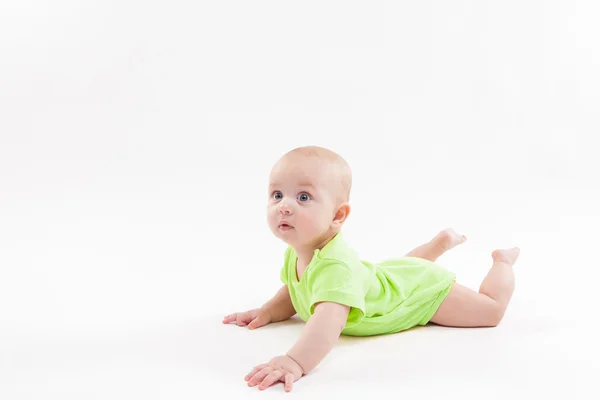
{"points": [[527, 357]]}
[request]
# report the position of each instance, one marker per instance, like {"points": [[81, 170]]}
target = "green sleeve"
{"points": [[334, 282], [283, 273]]}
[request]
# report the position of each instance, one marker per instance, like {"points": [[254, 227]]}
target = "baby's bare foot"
{"points": [[507, 256], [448, 238]]}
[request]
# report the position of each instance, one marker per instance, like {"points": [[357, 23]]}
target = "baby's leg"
{"points": [[444, 241], [464, 307]]}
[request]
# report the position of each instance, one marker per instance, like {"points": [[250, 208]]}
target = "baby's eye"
{"points": [[303, 197], [277, 195]]}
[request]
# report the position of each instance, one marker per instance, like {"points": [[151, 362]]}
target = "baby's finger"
{"points": [[241, 320], [270, 379], [254, 371], [230, 318], [257, 322], [259, 376], [289, 381]]}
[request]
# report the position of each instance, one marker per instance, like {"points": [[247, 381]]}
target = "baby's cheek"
{"points": [[314, 222], [304, 222], [272, 219]]}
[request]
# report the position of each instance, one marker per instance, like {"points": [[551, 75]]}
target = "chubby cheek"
{"points": [[309, 223], [272, 217]]}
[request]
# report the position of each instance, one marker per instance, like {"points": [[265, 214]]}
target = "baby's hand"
{"points": [[253, 318], [281, 368]]}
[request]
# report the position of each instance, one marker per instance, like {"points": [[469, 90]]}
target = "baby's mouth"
{"points": [[285, 227]]}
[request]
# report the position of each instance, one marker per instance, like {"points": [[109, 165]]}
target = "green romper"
{"points": [[387, 297]]}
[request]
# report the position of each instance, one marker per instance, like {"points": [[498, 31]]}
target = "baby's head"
{"points": [[309, 191]]}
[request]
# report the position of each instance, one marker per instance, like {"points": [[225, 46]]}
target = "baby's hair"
{"points": [[340, 166]]}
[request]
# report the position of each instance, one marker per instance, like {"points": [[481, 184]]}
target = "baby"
{"points": [[335, 292]]}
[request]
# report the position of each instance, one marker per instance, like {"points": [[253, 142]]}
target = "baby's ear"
{"points": [[341, 215]]}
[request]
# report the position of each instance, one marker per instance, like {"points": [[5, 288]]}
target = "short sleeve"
{"points": [[283, 275], [334, 282], [284, 271]]}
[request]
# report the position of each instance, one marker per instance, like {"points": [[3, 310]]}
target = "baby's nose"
{"points": [[285, 208]]}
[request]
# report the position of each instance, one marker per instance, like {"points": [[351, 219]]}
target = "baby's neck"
{"points": [[306, 254], [301, 264]]}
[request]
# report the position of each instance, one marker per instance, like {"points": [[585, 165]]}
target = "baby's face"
{"points": [[300, 208]]}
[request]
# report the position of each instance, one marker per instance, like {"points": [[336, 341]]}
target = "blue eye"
{"points": [[303, 197], [277, 195]]}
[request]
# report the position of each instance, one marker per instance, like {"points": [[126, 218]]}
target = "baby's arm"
{"points": [[280, 306], [316, 341], [320, 334]]}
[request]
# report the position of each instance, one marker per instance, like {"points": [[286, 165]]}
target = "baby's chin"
{"points": [[291, 236]]}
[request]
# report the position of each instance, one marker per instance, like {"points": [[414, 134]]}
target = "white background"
{"points": [[135, 144]]}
